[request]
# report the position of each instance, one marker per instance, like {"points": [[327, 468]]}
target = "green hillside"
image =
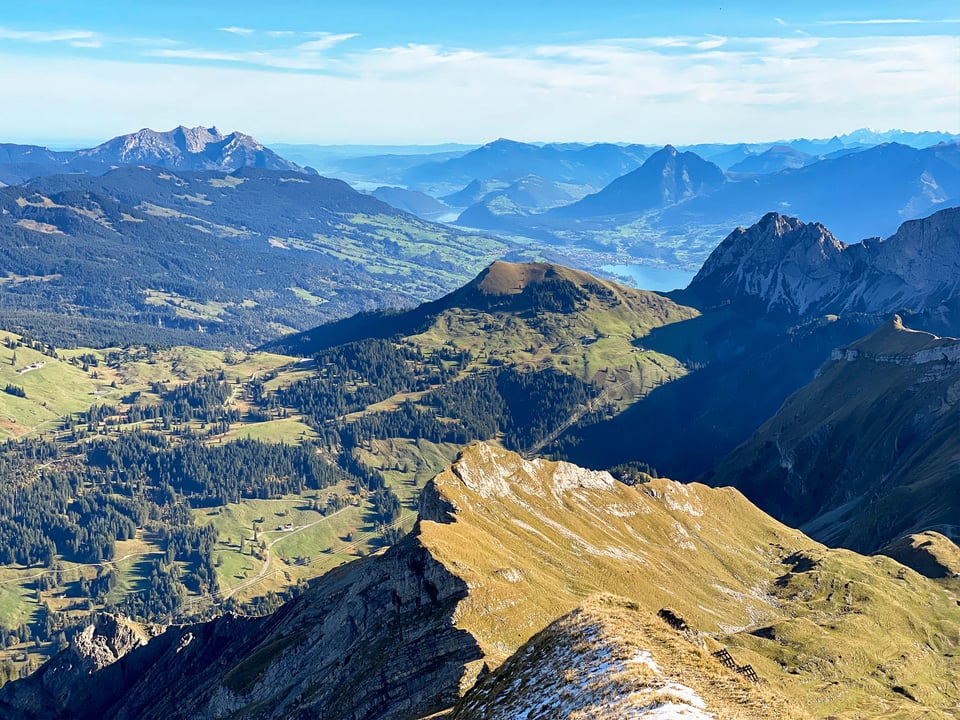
{"points": [[209, 258]]}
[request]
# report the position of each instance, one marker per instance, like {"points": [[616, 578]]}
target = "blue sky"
{"points": [[402, 72]]}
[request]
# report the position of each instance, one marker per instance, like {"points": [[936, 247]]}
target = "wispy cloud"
{"points": [[304, 51], [876, 21], [325, 42], [48, 36], [237, 30], [713, 43], [780, 21]]}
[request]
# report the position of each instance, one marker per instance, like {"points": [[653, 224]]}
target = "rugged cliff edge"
{"points": [[503, 548], [802, 269], [867, 451]]}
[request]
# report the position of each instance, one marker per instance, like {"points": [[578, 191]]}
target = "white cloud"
{"points": [[45, 36], [780, 21], [874, 21], [325, 42], [647, 90], [237, 30]]}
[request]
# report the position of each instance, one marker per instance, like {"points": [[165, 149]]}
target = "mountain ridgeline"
{"points": [[775, 300], [504, 547], [182, 148]]}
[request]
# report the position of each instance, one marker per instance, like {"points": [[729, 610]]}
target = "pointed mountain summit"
{"points": [[785, 264], [666, 178]]}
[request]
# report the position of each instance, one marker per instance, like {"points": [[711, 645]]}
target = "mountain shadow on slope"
{"points": [[776, 299]]}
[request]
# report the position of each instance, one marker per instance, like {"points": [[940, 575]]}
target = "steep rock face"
{"points": [[375, 640], [802, 269], [505, 546], [185, 148], [867, 451]]}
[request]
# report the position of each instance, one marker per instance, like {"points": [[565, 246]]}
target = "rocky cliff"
{"points": [[866, 452], [186, 148], [802, 269], [503, 548]]}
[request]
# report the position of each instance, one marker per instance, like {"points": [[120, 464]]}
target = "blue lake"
{"points": [[646, 277]]}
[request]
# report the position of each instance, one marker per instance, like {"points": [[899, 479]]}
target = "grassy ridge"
{"points": [[850, 634]]}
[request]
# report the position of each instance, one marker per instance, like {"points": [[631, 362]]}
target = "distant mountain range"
{"points": [[182, 148], [676, 206]]}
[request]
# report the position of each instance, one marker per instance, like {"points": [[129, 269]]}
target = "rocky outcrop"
{"points": [[931, 554], [802, 269]]}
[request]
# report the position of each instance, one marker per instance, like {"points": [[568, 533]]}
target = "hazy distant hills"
{"points": [[777, 158], [182, 148], [862, 194], [676, 206], [868, 451], [412, 201], [149, 253], [507, 160], [507, 551], [667, 177]]}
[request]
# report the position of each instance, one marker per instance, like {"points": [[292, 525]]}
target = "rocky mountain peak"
{"points": [[195, 140], [801, 268], [185, 148]]}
